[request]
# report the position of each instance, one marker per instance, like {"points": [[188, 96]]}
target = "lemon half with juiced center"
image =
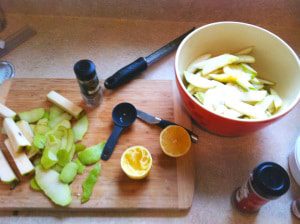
{"points": [[136, 162]]}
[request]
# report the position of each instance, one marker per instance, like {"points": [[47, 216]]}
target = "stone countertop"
{"points": [[222, 164]]}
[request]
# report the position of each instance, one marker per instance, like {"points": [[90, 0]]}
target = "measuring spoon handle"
{"points": [[111, 142]]}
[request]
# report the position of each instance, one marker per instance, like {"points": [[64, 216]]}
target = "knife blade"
{"points": [[141, 64], [162, 123]]}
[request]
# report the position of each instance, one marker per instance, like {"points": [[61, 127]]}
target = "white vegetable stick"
{"points": [[7, 174], [247, 50], [26, 130], [21, 160], [15, 135], [6, 112], [2, 44], [64, 103]]}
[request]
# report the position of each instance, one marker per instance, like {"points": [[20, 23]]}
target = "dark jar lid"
{"points": [[270, 180], [85, 70]]}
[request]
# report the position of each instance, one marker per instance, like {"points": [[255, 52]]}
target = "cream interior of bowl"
{"points": [[275, 60]]}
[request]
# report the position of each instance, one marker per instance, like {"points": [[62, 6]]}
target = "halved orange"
{"points": [[175, 141]]}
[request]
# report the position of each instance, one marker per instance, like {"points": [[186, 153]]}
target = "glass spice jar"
{"points": [[268, 181], [91, 91]]}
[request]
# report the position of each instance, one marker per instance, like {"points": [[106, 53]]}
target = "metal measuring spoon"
{"points": [[123, 115], [7, 71]]}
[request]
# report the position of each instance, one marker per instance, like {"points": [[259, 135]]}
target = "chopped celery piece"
{"points": [[89, 183], [58, 168], [81, 167], [70, 140], [68, 173], [80, 128], [65, 156], [34, 185], [46, 114], [79, 147], [37, 161], [54, 112], [41, 126], [92, 154], [32, 151], [32, 115], [39, 141], [64, 123], [49, 158], [49, 182], [60, 118]]}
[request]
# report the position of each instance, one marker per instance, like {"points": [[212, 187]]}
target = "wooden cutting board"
{"points": [[170, 184]]}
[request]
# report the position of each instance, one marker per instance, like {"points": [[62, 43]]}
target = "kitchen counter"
{"points": [[222, 164]]}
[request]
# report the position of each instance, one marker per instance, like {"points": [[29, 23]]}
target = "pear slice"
{"points": [[16, 137], [21, 160], [198, 81], [246, 50], [277, 99], [192, 67], [7, 174], [215, 63], [267, 82], [245, 109], [6, 112], [265, 103], [254, 95], [245, 59], [64, 103]]}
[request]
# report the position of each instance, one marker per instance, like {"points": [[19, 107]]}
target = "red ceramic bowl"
{"points": [[275, 61]]}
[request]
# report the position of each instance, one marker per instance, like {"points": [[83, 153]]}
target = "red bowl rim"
{"points": [[179, 79]]}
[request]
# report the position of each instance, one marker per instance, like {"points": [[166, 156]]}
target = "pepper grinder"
{"points": [[91, 91]]}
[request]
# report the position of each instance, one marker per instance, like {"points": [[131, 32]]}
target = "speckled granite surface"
{"points": [[222, 164]]}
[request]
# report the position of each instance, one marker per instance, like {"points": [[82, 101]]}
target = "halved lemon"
{"points": [[175, 141], [136, 162]]}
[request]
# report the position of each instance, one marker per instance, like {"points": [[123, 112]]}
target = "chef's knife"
{"points": [[162, 123], [138, 66]]}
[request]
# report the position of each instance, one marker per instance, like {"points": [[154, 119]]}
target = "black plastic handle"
{"points": [[126, 73], [111, 142], [165, 123]]}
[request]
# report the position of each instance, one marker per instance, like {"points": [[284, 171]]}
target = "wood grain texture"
{"points": [[170, 184]]}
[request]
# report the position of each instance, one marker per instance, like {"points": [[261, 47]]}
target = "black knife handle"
{"points": [[126, 73], [164, 123]]}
